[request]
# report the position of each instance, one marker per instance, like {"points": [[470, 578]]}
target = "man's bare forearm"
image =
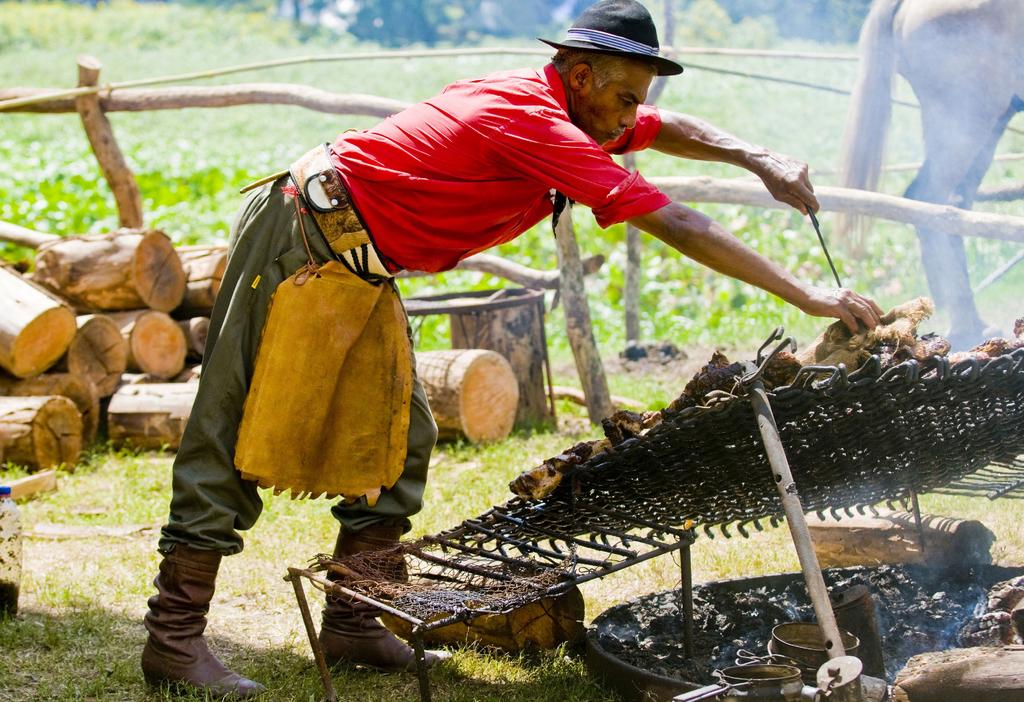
{"points": [[698, 237], [688, 137]]}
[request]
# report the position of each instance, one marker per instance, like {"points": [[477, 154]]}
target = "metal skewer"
{"points": [[817, 228]]}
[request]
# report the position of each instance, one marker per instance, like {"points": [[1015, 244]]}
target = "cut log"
{"points": [[98, 353], [545, 624], [963, 675], [40, 432], [472, 393], [204, 269], [156, 344], [517, 333], [79, 390], [150, 416], [24, 488], [195, 331], [36, 328], [892, 538], [189, 375], [123, 270]]}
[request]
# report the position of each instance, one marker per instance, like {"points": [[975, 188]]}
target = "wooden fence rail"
{"points": [[944, 219], [145, 99]]}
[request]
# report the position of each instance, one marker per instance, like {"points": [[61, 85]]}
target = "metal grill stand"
{"points": [[495, 564], [931, 426]]}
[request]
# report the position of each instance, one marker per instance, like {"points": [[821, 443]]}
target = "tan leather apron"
{"points": [[328, 408]]}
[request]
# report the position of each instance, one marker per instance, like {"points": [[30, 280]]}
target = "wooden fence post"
{"points": [[634, 271], [577, 321], [104, 146]]}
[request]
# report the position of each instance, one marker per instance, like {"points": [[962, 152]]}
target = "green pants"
{"points": [[210, 502]]}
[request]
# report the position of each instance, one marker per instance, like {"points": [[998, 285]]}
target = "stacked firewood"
{"points": [[107, 330]]}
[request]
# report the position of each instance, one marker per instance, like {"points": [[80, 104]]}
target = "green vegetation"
{"points": [[91, 556], [190, 163], [80, 632]]}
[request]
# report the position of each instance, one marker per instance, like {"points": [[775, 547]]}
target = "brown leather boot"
{"points": [[176, 652], [351, 632]]}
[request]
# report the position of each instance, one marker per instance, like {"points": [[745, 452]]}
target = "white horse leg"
{"points": [[955, 139], [967, 190]]}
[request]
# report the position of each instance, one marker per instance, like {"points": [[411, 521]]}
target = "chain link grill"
{"points": [[852, 440]]}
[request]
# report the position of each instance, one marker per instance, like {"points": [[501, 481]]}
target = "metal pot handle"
{"points": [[709, 692]]}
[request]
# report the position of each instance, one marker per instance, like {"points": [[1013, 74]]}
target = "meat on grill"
{"points": [[537, 483], [898, 330], [894, 341], [718, 374]]}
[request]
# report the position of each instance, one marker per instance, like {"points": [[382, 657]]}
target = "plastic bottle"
{"points": [[10, 554]]}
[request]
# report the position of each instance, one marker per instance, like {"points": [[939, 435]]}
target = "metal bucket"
{"points": [[805, 644], [770, 682]]}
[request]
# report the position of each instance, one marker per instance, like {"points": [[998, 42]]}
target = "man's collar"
{"points": [[554, 80]]}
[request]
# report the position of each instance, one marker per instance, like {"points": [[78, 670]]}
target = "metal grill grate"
{"points": [[852, 440]]}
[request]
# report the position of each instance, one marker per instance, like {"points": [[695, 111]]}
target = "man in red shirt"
{"points": [[473, 167]]}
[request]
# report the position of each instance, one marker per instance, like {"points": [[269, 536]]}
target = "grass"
{"points": [[79, 633], [90, 556]]}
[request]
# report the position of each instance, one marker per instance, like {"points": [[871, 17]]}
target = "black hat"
{"points": [[622, 27]]}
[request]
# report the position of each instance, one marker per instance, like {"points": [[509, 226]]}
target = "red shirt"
{"points": [[474, 167]]}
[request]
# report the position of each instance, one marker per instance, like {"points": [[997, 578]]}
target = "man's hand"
{"points": [[786, 179], [850, 307]]}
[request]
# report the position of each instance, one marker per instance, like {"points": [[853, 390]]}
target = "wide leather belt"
{"points": [[328, 202]]}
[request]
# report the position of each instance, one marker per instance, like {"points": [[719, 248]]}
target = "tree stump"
{"points": [[892, 538], [517, 333], [97, 353], [150, 416], [156, 344], [472, 393], [544, 624], [76, 388], [40, 432], [204, 269], [195, 330], [35, 328], [963, 675], [124, 270]]}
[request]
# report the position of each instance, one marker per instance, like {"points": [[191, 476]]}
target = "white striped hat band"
{"points": [[611, 41]]}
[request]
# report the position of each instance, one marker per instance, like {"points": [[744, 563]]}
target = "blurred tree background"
{"points": [[394, 23]]}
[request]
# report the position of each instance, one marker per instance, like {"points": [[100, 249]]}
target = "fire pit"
{"points": [[720, 465], [637, 647]]}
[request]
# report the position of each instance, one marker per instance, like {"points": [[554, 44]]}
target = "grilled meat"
{"points": [[781, 370], [537, 483], [997, 346], [837, 344], [718, 374], [894, 341], [625, 424]]}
